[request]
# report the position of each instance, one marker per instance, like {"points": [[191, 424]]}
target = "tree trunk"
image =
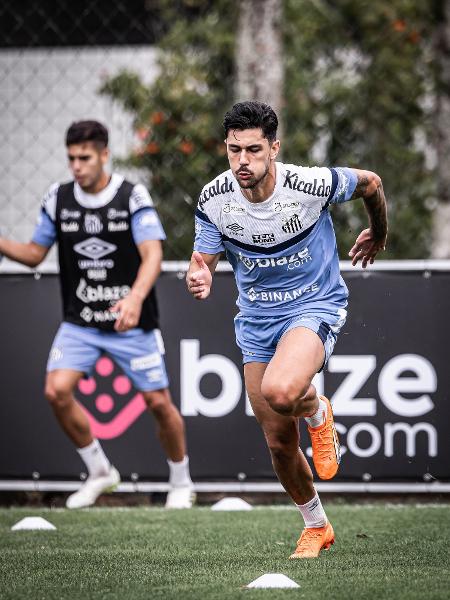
{"points": [[259, 53], [441, 225]]}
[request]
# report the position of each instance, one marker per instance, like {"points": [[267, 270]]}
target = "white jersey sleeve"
{"points": [[208, 238], [45, 230], [345, 184], [140, 198], [49, 201]]}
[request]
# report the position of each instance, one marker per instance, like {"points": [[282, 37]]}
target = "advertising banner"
{"points": [[388, 379]]}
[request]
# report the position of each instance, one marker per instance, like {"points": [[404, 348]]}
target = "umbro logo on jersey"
{"points": [[92, 223], [292, 225], [94, 248], [263, 238], [235, 228]]}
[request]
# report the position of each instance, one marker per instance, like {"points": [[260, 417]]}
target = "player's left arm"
{"points": [[130, 307], [370, 241]]}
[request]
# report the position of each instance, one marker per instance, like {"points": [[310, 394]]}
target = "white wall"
{"points": [[41, 92]]}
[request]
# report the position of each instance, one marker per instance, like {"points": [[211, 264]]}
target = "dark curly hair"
{"points": [[87, 131], [252, 115]]}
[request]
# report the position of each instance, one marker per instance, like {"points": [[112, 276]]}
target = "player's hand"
{"points": [[366, 248], [199, 282], [129, 309]]}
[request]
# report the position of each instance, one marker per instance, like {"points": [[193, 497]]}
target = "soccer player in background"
{"points": [[273, 222], [109, 242]]}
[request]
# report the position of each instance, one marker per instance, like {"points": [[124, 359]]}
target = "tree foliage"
{"points": [[357, 79], [178, 118]]}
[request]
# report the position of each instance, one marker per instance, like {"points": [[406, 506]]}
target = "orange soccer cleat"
{"points": [[325, 446], [313, 540]]}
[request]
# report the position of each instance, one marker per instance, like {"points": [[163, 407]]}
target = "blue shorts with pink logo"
{"points": [[258, 337], [140, 354]]}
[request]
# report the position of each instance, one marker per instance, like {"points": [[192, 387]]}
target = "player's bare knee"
{"points": [[58, 394], [281, 396], [157, 402]]}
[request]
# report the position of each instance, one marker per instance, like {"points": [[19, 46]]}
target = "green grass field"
{"points": [[381, 551]]}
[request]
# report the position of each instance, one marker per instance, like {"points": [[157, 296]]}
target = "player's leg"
{"points": [[282, 437], [59, 388], [290, 465], [287, 387], [287, 381], [171, 433], [72, 355], [170, 425], [140, 354]]}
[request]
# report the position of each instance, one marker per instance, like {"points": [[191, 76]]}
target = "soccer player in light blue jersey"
{"points": [[110, 249], [273, 222]]}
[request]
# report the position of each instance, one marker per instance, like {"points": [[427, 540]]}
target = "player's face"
{"points": [[87, 161], [250, 155]]}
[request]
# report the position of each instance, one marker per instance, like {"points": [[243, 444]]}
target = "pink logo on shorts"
{"points": [[105, 402]]}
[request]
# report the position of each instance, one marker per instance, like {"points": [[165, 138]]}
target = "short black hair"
{"points": [[252, 115], [87, 131]]}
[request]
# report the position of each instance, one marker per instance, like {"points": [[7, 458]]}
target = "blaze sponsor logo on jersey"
{"points": [[70, 227], [314, 188], [233, 208], [292, 224], [70, 214], [292, 261], [282, 206], [118, 226], [248, 262], [94, 248], [92, 223], [221, 186], [281, 295], [113, 213], [263, 238], [236, 228], [101, 293]]}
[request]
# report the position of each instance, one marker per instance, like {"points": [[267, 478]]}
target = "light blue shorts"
{"points": [[258, 337], [140, 354]]}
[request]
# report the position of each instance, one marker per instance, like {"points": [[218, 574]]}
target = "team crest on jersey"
{"points": [[92, 223], [292, 225], [235, 228]]}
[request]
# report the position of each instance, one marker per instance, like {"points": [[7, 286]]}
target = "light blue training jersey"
{"points": [[283, 250]]}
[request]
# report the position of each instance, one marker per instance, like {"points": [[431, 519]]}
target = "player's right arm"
{"points": [[30, 254], [208, 246], [200, 274], [33, 253]]}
